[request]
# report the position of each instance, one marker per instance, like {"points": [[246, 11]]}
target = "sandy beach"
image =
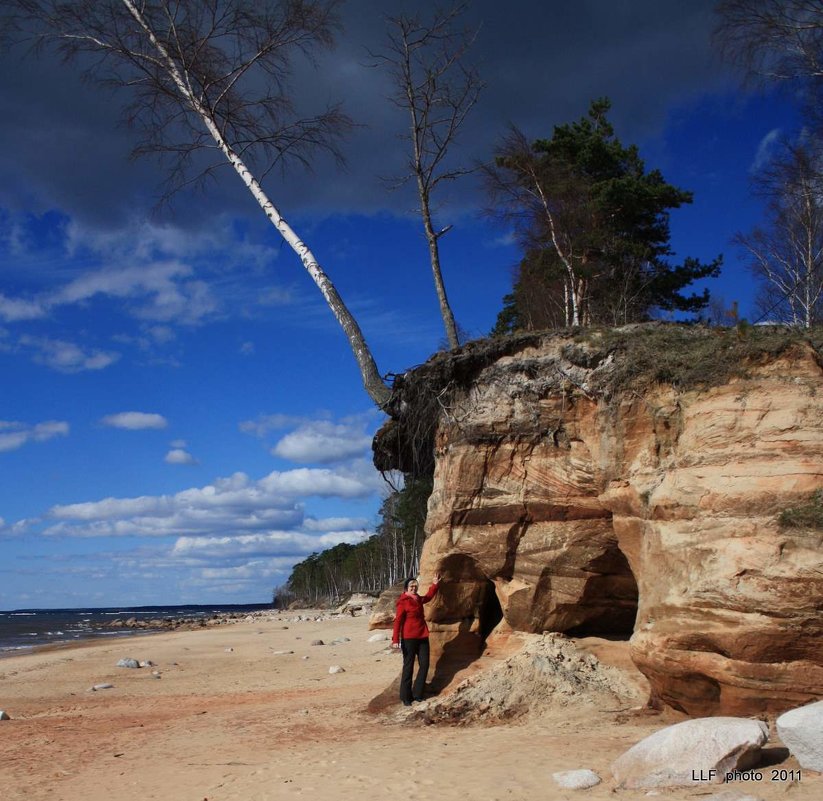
{"points": [[250, 712]]}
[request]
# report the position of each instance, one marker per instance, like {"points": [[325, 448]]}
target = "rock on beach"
{"points": [[576, 779], [696, 751], [801, 731]]}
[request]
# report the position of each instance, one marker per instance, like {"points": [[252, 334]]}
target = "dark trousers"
{"points": [[412, 649]]}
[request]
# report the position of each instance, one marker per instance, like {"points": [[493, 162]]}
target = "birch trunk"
{"points": [[372, 381], [434, 254]]}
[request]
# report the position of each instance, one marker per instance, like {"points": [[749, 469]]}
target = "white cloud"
{"points": [[323, 441], [274, 543], [270, 422], [332, 523], [165, 291], [66, 357], [765, 148], [135, 421], [14, 435], [237, 505], [179, 456], [321, 482], [317, 439], [14, 309]]}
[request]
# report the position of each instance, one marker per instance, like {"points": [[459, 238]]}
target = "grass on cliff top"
{"points": [[807, 515], [685, 356], [632, 357]]}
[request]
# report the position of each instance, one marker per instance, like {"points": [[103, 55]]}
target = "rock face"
{"points": [[566, 499]]}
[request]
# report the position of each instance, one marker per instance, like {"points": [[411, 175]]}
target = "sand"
{"points": [[230, 719]]}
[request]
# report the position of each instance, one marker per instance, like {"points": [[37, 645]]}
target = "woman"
{"points": [[411, 635]]}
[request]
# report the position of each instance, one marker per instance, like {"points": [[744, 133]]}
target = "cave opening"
{"points": [[609, 601], [490, 613]]}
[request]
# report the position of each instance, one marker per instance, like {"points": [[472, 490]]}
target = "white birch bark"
{"points": [[372, 381]]}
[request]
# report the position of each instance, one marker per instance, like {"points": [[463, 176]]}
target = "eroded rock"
{"points": [[566, 501]]}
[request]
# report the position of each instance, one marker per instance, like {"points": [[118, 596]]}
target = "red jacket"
{"points": [[409, 622]]}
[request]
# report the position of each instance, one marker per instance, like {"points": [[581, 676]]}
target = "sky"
{"points": [[181, 419]]}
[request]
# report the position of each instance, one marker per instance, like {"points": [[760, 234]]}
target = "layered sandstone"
{"points": [[571, 495]]}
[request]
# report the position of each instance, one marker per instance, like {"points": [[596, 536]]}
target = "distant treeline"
{"points": [[370, 566]]}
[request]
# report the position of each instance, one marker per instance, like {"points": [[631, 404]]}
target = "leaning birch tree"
{"points": [[437, 88], [209, 83]]}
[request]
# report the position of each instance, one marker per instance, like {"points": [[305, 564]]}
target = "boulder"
{"points": [[336, 669], [4, 715], [358, 602], [576, 779], [801, 731], [383, 611], [128, 663], [697, 751]]}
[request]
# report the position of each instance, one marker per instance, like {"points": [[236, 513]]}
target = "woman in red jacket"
{"points": [[411, 635]]}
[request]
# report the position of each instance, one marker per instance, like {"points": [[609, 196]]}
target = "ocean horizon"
{"points": [[22, 630]]}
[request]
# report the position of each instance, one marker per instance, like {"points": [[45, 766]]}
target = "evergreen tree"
{"points": [[594, 227]]}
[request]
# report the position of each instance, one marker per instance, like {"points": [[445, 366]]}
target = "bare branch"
{"points": [[787, 251]]}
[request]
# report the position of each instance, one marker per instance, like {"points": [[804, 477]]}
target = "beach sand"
{"points": [[230, 719]]}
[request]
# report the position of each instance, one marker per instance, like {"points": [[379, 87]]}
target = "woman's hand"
{"points": [[436, 578], [396, 645]]}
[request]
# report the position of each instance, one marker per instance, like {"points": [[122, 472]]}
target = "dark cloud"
{"points": [[61, 145]]}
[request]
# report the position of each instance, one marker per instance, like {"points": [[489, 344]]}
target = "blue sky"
{"points": [[180, 418]]}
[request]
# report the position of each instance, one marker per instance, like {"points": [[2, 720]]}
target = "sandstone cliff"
{"points": [[622, 483]]}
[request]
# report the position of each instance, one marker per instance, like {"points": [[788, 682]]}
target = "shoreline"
{"points": [[22, 630], [250, 712]]}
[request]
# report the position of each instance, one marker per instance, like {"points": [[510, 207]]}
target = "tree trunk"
{"points": [[434, 253], [372, 381]]}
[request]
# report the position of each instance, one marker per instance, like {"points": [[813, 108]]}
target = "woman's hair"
{"points": [[408, 581]]}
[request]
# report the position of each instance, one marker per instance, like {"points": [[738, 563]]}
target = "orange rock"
{"points": [[650, 514]]}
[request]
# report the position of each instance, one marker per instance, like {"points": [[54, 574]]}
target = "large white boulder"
{"points": [[801, 731], [700, 751]]}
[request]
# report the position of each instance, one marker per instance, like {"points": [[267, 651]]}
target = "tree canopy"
{"points": [[593, 224]]}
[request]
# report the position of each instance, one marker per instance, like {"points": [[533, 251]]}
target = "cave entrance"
{"points": [[490, 613], [608, 606]]}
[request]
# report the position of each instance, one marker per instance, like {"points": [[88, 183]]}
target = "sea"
{"points": [[22, 630]]}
